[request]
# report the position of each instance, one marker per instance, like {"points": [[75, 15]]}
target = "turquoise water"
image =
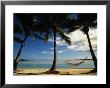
{"points": [[48, 64]]}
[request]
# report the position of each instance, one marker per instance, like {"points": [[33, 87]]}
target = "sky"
{"points": [[41, 50]]}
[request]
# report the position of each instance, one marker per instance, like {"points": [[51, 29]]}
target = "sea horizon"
{"points": [[60, 64]]}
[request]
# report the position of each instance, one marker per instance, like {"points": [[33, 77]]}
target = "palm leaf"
{"points": [[85, 29], [66, 38], [63, 36], [38, 36], [17, 29], [59, 30], [47, 35], [74, 28], [18, 40]]}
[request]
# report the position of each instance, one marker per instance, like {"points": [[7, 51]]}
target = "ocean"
{"points": [[60, 64]]}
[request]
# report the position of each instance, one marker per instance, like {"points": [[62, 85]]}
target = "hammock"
{"points": [[75, 64]]}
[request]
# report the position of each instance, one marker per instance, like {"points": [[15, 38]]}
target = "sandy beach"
{"points": [[42, 71]]}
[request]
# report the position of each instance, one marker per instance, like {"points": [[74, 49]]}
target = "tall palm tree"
{"points": [[85, 30], [25, 27], [88, 21], [19, 52], [64, 37], [84, 22], [52, 23]]}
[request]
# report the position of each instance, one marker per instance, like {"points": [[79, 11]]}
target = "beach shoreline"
{"points": [[42, 71]]}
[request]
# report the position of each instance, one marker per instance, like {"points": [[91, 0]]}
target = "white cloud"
{"points": [[59, 41], [80, 42], [60, 51], [52, 48], [45, 52]]}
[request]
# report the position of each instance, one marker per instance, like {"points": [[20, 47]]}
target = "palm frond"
{"points": [[17, 29], [88, 19], [16, 39], [66, 38], [85, 29], [72, 29], [47, 35], [59, 30], [38, 36]]}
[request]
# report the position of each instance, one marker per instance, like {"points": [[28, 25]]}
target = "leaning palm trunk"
{"points": [[16, 61], [53, 68], [92, 52]]}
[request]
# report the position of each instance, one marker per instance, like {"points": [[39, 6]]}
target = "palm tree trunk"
{"points": [[53, 68], [18, 55], [92, 52]]}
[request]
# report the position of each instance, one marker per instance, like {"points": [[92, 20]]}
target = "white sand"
{"points": [[41, 71]]}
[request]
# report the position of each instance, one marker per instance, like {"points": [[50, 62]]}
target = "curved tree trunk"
{"points": [[92, 53], [53, 68], [18, 55]]}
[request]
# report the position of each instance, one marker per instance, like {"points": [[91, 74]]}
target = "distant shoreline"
{"points": [[42, 64], [50, 60], [49, 68]]}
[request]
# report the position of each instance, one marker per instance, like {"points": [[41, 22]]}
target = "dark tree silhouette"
{"points": [[84, 22], [85, 30], [25, 26], [52, 23]]}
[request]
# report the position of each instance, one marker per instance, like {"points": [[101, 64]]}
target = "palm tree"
{"points": [[64, 37], [19, 52], [52, 23], [84, 23], [88, 21], [25, 27], [85, 30]]}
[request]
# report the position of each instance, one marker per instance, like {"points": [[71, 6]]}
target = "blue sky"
{"points": [[41, 50]]}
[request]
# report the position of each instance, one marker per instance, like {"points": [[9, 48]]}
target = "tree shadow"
{"points": [[41, 73], [31, 73]]}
